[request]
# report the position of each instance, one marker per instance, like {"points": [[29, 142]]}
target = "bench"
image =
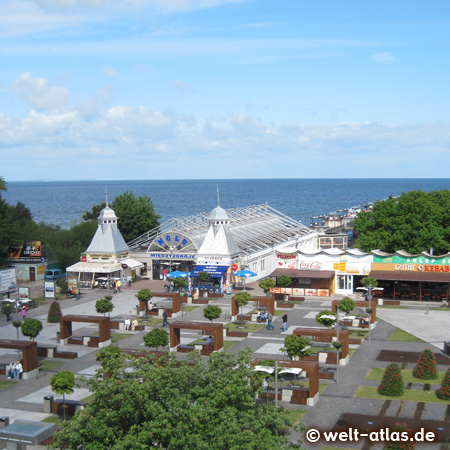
{"points": [[46, 350], [72, 406], [185, 348]]}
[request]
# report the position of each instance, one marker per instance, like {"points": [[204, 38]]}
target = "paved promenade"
{"points": [[24, 399]]}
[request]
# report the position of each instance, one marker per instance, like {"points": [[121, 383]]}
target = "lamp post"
{"points": [[276, 384], [369, 297], [337, 342]]}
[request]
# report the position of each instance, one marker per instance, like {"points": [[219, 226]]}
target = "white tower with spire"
{"points": [[218, 247], [107, 242]]}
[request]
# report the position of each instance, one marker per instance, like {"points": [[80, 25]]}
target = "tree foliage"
{"points": [[328, 322], [414, 222], [295, 346], [212, 312], [242, 298], [185, 405], [136, 215], [267, 285], [111, 358], [31, 328], [284, 281], [346, 305], [104, 306], [179, 283], [144, 295], [369, 282], [156, 338]]}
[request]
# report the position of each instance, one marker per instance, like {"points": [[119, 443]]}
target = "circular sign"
{"points": [[234, 267]]}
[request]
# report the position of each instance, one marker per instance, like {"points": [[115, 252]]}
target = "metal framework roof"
{"points": [[253, 228]]}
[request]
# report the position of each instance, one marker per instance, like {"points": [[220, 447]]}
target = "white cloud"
{"points": [[37, 94], [110, 72], [383, 58], [182, 86]]}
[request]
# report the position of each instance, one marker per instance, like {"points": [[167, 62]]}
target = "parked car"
{"points": [[54, 274]]}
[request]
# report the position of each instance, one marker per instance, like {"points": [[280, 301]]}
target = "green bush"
{"points": [[426, 367], [444, 391], [401, 445], [295, 346], [392, 383], [54, 313], [31, 328], [156, 338]]}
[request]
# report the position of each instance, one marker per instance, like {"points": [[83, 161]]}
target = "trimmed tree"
{"points": [[267, 285], [369, 281], [63, 383], [346, 305], [326, 318], [392, 382], [180, 283], [31, 328], [156, 338], [144, 295], [111, 359], [444, 391], [104, 306], [212, 312], [284, 281], [295, 346], [203, 277], [54, 312], [426, 367], [241, 300]]}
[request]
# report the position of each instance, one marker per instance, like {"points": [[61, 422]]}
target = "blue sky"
{"points": [[166, 89]]}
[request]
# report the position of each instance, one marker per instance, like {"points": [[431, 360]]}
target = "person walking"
{"points": [[7, 312], [269, 322], [129, 280], [23, 312], [284, 318], [77, 294], [119, 284], [165, 322]]}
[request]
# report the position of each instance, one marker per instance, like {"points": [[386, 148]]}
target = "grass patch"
{"points": [[408, 396], [5, 383], [41, 300], [377, 374], [47, 365], [116, 337], [358, 333], [296, 415], [439, 309], [189, 308], [401, 335], [228, 344], [278, 312], [249, 327], [149, 321], [54, 419], [351, 351]]}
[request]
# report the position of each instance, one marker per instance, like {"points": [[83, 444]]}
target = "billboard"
{"points": [[26, 251], [49, 289], [8, 280]]}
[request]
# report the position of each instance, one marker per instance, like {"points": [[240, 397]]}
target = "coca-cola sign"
{"points": [[309, 265]]}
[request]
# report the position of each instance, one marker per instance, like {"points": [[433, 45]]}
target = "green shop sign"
{"points": [[396, 259]]}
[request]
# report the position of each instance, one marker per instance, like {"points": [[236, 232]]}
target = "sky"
{"points": [[214, 89]]}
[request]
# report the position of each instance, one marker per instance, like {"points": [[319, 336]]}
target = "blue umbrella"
{"points": [[244, 274], [177, 274]]}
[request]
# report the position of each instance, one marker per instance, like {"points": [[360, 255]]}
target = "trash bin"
{"points": [[48, 404], [58, 337], [4, 422]]}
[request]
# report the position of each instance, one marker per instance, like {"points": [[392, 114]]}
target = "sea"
{"points": [[63, 203]]}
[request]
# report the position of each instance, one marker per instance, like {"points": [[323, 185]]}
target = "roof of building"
{"points": [[253, 228]]}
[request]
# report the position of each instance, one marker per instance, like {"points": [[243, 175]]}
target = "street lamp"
{"points": [[369, 309]]}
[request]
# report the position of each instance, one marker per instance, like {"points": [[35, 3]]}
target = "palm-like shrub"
{"points": [[392, 382], [426, 367], [444, 391]]}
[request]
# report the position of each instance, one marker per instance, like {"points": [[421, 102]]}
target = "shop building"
{"points": [[246, 237], [107, 257]]}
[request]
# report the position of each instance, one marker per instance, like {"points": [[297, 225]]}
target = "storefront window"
{"points": [[344, 282]]}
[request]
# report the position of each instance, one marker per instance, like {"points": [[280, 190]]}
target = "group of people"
{"points": [[117, 284], [130, 324], [268, 315], [8, 312], [14, 370]]}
